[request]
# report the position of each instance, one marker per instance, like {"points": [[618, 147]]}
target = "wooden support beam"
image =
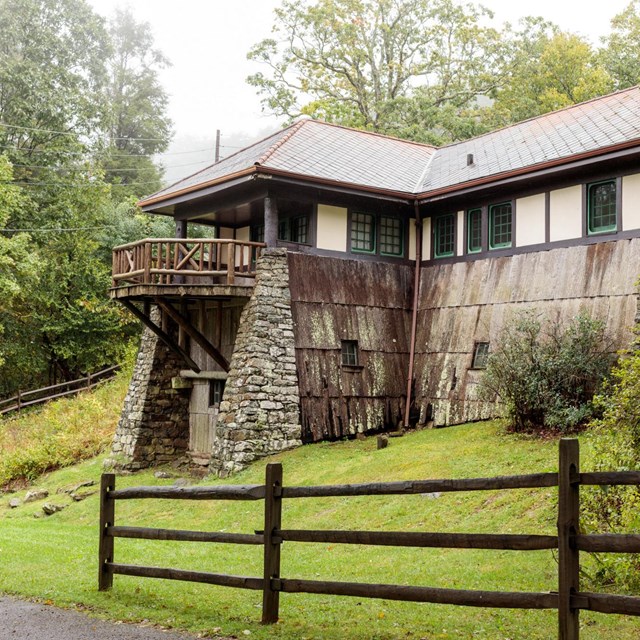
{"points": [[185, 324], [163, 335]]}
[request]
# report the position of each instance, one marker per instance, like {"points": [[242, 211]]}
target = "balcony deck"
{"points": [[184, 269]]}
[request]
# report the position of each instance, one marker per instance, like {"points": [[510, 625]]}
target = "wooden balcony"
{"points": [[194, 268]]}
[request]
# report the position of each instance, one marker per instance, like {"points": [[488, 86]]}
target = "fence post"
{"points": [[272, 544], [107, 519], [568, 525], [19, 399]]}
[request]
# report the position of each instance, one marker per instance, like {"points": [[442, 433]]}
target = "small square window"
{"points": [[216, 389], [294, 229], [363, 233], [480, 355], [257, 233], [474, 230], [350, 353], [601, 207], [444, 235]]}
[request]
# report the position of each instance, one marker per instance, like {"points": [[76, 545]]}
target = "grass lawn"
{"points": [[55, 558]]}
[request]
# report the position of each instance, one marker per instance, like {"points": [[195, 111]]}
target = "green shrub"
{"points": [[616, 447], [546, 373]]}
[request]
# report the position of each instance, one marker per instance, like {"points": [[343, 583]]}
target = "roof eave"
{"points": [[561, 164]]}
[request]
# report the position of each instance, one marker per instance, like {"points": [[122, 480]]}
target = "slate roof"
{"points": [[320, 151], [589, 126]]}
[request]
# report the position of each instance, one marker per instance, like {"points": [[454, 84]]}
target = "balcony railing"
{"points": [[171, 261]]}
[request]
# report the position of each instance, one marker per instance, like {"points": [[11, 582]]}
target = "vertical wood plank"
{"points": [[231, 263], [272, 545], [568, 525], [107, 519], [147, 263]]}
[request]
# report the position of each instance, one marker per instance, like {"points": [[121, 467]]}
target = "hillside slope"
{"points": [[55, 558]]}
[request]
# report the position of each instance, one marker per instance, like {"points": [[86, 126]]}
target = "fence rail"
{"points": [[568, 599], [168, 261], [45, 394]]}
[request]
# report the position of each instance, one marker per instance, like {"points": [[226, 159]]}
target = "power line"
{"points": [[55, 230], [37, 166], [121, 155], [72, 133]]}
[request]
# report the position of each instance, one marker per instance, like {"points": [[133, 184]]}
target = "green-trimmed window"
{"points": [[257, 233], [444, 236], [294, 229], [602, 215], [363, 232], [391, 240], [474, 230], [500, 225]]}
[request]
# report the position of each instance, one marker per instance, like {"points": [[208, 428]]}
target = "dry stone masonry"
{"points": [[154, 424], [259, 413]]}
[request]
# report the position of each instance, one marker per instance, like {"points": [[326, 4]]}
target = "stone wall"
{"points": [[259, 413], [154, 423]]}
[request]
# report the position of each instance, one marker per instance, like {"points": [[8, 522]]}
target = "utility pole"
{"points": [[217, 145]]}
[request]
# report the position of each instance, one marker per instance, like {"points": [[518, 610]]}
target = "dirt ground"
{"points": [[21, 620]]}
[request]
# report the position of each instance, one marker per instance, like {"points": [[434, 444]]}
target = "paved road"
{"points": [[20, 620]]}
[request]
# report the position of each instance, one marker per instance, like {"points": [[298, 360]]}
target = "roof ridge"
{"points": [[372, 133], [274, 147], [425, 171], [542, 115]]}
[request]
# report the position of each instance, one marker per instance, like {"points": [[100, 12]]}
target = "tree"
{"points": [[369, 63], [550, 69], [138, 123], [620, 52], [60, 109], [546, 373]]}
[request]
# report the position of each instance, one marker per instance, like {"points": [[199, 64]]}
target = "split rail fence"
{"points": [[568, 599], [25, 399]]}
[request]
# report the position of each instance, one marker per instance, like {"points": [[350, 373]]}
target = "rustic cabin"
{"points": [[356, 282]]}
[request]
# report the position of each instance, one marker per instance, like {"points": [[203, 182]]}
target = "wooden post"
{"points": [[272, 544], [107, 519], [19, 399], [270, 222], [568, 525], [231, 263], [147, 263]]}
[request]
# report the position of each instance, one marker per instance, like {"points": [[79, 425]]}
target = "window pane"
{"points": [[390, 236], [444, 236], [299, 228], [500, 225], [350, 353], [602, 207], [474, 230], [257, 233], [480, 355], [363, 232]]}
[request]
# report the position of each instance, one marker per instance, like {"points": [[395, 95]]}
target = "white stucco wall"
{"points": [[530, 226], [426, 239], [332, 228], [631, 202], [460, 233], [412, 239], [565, 213]]}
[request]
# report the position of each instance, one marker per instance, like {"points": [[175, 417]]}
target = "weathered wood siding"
{"points": [[465, 302], [334, 300], [218, 321]]}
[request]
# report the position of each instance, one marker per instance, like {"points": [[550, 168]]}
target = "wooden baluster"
{"points": [[231, 263], [147, 263]]}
